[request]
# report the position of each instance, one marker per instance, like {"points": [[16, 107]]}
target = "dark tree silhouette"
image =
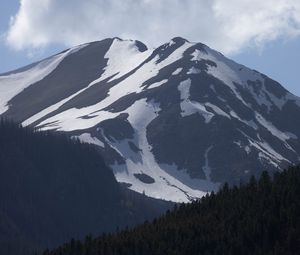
{"points": [[53, 188], [261, 217]]}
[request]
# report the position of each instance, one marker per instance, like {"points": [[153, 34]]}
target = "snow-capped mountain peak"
{"points": [[173, 122]]}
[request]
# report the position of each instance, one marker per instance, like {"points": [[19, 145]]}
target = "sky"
{"points": [[263, 35]]}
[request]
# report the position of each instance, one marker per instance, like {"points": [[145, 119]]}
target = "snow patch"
{"points": [[249, 123], [233, 75], [52, 108], [206, 168], [274, 131], [13, 84], [177, 71], [291, 135], [123, 57], [157, 84], [172, 43], [227, 71], [266, 150], [167, 178], [189, 107], [87, 138], [218, 110], [194, 70], [73, 119], [247, 149], [269, 126]]}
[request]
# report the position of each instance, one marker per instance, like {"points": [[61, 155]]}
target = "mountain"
{"points": [[53, 188], [172, 122], [262, 217]]}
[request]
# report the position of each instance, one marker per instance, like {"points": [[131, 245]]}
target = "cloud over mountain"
{"points": [[228, 26]]}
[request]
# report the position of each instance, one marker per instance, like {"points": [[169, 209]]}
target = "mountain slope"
{"points": [[182, 116], [258, 218], [52, 189]]}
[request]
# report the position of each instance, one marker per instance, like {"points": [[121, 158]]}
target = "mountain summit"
{"points": [[172, 122]]}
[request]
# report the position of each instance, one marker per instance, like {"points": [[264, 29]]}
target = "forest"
{"points": [[53, 188], [259, 217]]}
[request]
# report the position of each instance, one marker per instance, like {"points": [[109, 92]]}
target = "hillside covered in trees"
{"points": [[53, 188], [261, 217]]}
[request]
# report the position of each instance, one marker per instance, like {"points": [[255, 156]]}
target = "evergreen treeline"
{"points": [[261, 217], [53, 188]]}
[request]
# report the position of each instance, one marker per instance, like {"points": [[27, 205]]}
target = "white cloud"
{"points": [[227, 25]]}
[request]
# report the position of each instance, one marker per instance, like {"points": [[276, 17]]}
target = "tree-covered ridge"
{"points": [[53, 188], [261, 217]]}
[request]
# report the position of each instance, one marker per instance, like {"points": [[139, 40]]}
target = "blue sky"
{"points": [[268, 42]]}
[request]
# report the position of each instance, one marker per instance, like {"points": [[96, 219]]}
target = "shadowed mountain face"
{"points": [[173, 122]]}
